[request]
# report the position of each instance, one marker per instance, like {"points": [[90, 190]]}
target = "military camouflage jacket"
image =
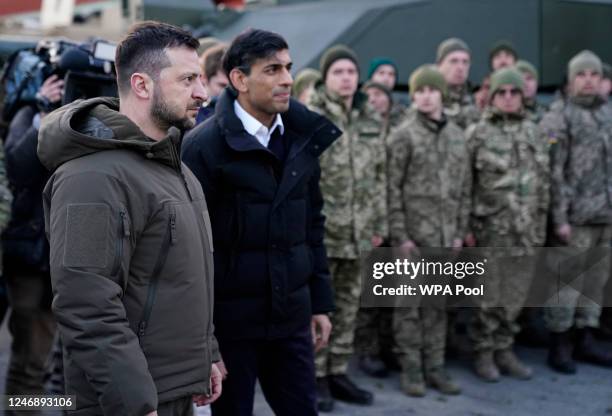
{"points": [[510, 181], [397, 115], [429, 182], [534, 110], [353, 176], [459, 107], [581, 161]]}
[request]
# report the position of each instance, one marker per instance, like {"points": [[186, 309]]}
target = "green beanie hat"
{"points": [[505, 76], [451, 45], [333, 54], [378, 86], [303, 79], [526, 67], [427, 75], [582, 61], [502, 45], [607, 71], [376, 62]]}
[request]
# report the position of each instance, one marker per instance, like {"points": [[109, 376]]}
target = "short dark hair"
{"points": [[249, 46], [142, 50], [212, 60]]}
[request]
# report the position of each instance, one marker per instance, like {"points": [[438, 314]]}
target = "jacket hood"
{"points": [[89, 126]]}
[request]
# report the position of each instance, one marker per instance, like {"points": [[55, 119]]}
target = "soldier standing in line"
{"points": [[509, 204], [454, 59], [353, 184], [373, 332], [304, 83], [429, 207], [502, 55], [581, 210], [384, 71], [535, 111]]}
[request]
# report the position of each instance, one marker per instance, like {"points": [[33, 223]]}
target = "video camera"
{"points": [[87, 70]]}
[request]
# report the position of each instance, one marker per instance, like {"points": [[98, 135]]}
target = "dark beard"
{"points": [[163, 116]]}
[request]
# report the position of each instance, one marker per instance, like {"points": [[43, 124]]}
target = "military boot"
{"points": [[509, 363], [560, 353], [485, 367], [342, 388], [373, 366], [439, 379], [588, 350], [412, 383], [325, 402]]}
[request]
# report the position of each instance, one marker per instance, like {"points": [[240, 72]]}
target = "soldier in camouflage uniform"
{"points": [[453, 60], [535, 111], [509, 203], [353, 184], [581, 209], [381, 101], [373, 332], [384, 71], [502, 54], [429, 207]]}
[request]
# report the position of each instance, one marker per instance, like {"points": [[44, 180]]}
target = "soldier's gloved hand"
{"points": [[564, 232]]}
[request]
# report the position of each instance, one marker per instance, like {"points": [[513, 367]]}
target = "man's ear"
{"points": [[142, 85], [238, 80]]}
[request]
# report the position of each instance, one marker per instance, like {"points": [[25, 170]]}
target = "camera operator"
{"points": [[26, 251]]}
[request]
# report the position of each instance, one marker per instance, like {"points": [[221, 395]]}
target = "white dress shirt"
{"points": [[255, 128]]}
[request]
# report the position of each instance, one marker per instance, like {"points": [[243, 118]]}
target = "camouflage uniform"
{"points": [[397, 115], [581, 195], [353, 184], [373, 332], [535, 111], [459, 106], [509, 204], [430, 205]]}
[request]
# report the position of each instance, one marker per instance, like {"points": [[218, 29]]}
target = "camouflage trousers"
{"points": [[374, 332], [346, 280], [420, 337], [494, 323], [579, 303]]}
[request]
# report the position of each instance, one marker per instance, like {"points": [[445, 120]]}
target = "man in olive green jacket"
{"points": [[131, 245]]}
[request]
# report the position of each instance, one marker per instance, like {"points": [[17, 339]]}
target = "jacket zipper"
{"points": [[177, 163], [169, 239]]}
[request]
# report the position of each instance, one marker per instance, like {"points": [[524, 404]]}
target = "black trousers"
{"points": [[284, 368], [32, 327]]}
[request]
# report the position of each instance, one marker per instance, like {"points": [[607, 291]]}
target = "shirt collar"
{"points": [[253, 126]]}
